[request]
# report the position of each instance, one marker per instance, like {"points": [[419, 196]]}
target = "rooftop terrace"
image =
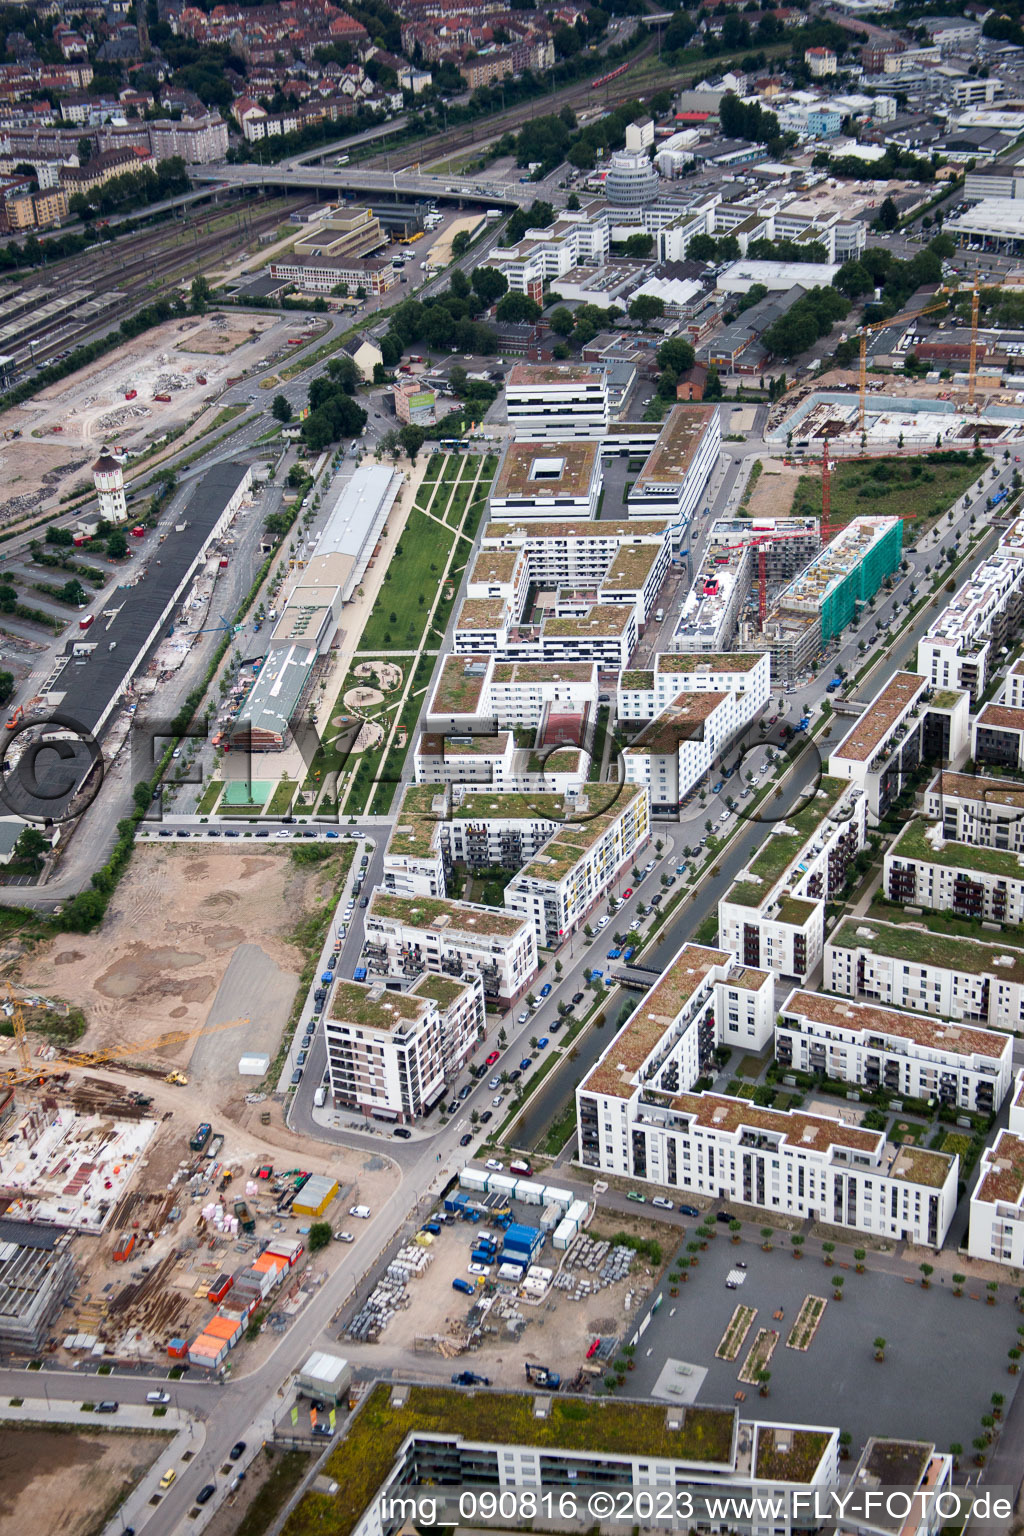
{"points": [[450, 919], [842, 1013]]}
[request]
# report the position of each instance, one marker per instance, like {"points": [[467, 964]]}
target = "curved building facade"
{"points": [[632, 180]]}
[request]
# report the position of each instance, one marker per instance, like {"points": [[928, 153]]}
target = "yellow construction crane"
{"points": [[20, 1033], [883, 325], [71, 1058]]}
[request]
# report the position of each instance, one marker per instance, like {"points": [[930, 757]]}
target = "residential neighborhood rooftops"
{"points": [[921, 946], [1001, 717], [373, 1007], [495, 565], [678, 722], [484, 613], [546, 469], [812, 1133], [865, 737], [443, 917], [669, 461], [615, 1073], [1002, 1166], [506, 528], [460, 686], [929, 847], [842, 1013], [533, 672], [975, 786], [672, 663], [631, 567], [603, 619]]}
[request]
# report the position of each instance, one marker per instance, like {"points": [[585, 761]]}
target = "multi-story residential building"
{"points": [[922, 869], [501, 62], [906, 966], [201, 140], [809, 1166], [578, 631], [702, 1000], [716, 601], [562, 769], [567, 852], [406, 936], [997, 735], [906, 723], [996, 1230], [392, 1055], [479, 693], [542, 480], [961, 1066], [821, 62], [672, 481], [957, 651], [566, 402], [773, 916], [99, 170], [825, 598], [436, 1434], [564, 882], [690, 735], [988, 813], [643, 694]]}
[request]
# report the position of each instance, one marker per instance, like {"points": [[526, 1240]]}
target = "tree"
{"points": [[646, 307], [85, 147], [31, 848], [879, 1348], [639, 246], [561, 321], [927, 1270], [828, 1249], [460, 244], [572, 203], [117, 545], [489, 284], [281, 409], [74, 594], [517, 308], [859, 1255], [319, 1236], [201, 295], [888, 216], [411, 438], [677, 354], [767, 1233]]}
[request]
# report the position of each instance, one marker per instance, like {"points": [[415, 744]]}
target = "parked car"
{"points": [[724, 1216], [525, 1064], [494, 1165], [497, 1101], [577, 998], [635, 1195], [205, 1493], [688, 1210], [464, 1141], [523, 1016], [662, 1203], [492, 1058], [402, 1131], [486, 1116], [545, 990], [542, 1042], [514, 1075], [464, 1092], [158, 1397], [494, 1082]]}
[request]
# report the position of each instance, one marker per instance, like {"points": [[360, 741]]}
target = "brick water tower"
{"points": [[108, 478]]}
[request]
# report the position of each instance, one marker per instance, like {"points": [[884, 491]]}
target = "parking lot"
{"points": [[897, 1396]]}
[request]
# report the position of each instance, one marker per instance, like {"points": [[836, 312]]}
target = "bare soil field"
{"points": [[179, 924], [55, 1480], [773, 494], [64, 426]]}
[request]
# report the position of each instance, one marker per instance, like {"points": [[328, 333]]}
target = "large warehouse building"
{"points": [[358, 508]]}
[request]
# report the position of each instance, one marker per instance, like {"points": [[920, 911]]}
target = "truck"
{"points": [[214, 1147], [831, 687], [540, 1376], [164, 399], [998, 496], [246, 1219], [130, 394], [89, 620], [320, 1097], [200, 1136]]}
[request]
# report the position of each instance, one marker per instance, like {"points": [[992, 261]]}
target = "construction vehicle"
{"points": [[540, 1376], [246, 1219], [22, 710], [68, 1057]]}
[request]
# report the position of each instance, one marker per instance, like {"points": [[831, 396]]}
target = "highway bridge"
{"points": [[291, 175]]}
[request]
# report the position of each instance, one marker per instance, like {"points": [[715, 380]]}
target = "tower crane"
{"points": [[70, 1058], [883, 325], [973, 370]]}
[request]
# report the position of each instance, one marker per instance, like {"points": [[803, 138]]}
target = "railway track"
{"points": [[493, 127]]}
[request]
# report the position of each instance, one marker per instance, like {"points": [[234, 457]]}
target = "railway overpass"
{"points": [[291, 176]]}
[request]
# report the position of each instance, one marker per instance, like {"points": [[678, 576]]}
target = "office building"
{"points": [[678, 467], [565, 402], [541, 481]]}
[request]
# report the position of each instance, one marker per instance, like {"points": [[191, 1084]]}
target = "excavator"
{"points": [[22, 709]]}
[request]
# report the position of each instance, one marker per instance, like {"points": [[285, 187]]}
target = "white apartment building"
{"points": [[773, 916], [566, 879], [391, 1055], [961, 1066], [958, 650], [197, 140], [907, 722], [405, 936], [563, 402], [996, 1228], [1013, 692], [578, 631], [988, 813], [643, 693], [737, 551], [676, 472], [821, 62], [922, 869], [997, 734], [567, 852], [497, 761], [685, 741], [809, 1166], [905, 966], [481, 694], [702, 999], [574, 239], [538, 480]]}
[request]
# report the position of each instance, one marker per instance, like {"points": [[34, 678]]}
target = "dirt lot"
{"points": [[90, 408], [68, 1482], [176, 951], [772, 496]]}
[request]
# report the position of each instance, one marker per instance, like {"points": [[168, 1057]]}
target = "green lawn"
{"points": [[211, 794], [280, 802], [926, 486], [409, 588]]}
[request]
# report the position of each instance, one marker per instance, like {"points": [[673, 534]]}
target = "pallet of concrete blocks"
{"points": [[415, 1261], [616, 1265]]}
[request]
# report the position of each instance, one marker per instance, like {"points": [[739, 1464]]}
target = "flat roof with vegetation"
{"points": [[974, 956], [362, 1461], [443, 917], [913, 844], [780, 849]]}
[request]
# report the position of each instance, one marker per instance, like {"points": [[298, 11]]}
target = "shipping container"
{"points": [[220, 1287], [530, 1194], [564, 1234]]}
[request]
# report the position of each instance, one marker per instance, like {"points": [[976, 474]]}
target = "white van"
{"points": [[659, 615]]}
